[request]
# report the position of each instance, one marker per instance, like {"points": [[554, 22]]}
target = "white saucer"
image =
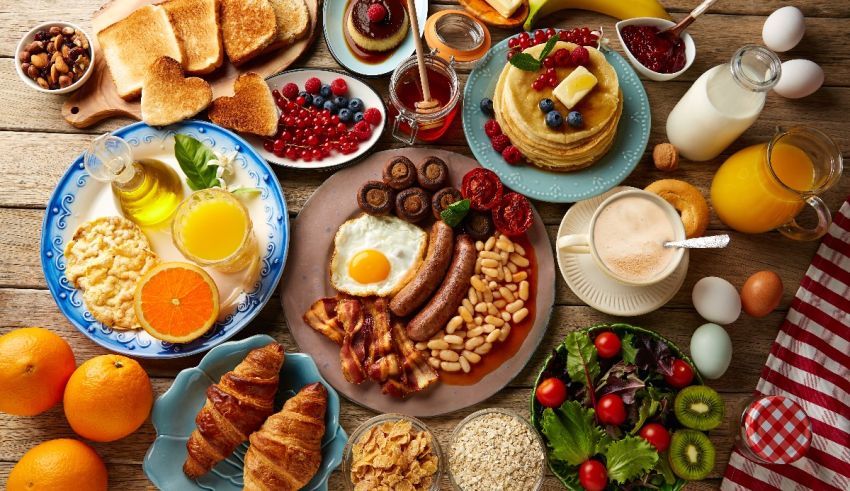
{"points": [[597, 289]]}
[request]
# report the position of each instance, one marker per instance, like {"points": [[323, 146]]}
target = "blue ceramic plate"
{"points": [[78, 198], [174, 413], [559, 187], [334, 20]]}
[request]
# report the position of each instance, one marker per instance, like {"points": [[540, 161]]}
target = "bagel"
{"points": [[687, 200]]}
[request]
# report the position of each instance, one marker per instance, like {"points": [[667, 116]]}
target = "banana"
{"points": [[621, 9]]}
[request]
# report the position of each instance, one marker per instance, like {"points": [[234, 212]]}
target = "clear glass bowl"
{"points": [[390, 417], [477, 414]]}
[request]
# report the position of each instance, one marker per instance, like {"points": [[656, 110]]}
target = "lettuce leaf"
{"points": [[629, 459], [654, 355], [621, 379], [628, 348], [572, 434], [648, 408], [582, 364]]}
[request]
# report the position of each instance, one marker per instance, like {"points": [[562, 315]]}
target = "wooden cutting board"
{"points": [[98, 99]]}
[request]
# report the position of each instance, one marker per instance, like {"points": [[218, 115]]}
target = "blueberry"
{"points": [[487, 106], [303, 93], [356, 105], [325, 91], [575, 119], [330, 106], [345, 115], [358, 117], [341, 102], [308, 99], [318, 102], [554, 119], [546, 105]]}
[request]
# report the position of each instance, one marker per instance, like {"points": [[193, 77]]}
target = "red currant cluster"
{"points": [[501, 143], [524, 40], [312, 133]]}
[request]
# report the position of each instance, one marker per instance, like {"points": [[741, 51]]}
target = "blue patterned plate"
{"points": [[559, 187], [78, 198], [174, 413]]}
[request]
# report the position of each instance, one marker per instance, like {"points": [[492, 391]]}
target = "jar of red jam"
{"points": [[772, 430], [410, 123]]}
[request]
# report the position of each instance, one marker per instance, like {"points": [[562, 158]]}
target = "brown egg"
{"points": [[761, 293]]}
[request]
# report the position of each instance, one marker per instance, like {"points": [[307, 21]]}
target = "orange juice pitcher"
{"points": [[765, 186]]}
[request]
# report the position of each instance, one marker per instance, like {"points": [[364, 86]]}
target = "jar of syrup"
{"points": [[410, 123]]}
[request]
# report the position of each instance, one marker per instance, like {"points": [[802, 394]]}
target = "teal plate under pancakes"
{"points": [[174, 413], [559, 187]]}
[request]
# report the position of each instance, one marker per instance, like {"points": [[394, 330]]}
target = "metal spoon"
{"points": [[711, 242], [683, 24]]}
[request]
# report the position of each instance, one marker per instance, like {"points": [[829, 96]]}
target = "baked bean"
{"points": [[521, 276], [473, 343], [484, 348], [437, 344], [500, 303], [472, 333], [435, 352], [506, 294], [464, 365], [472, 295], [497, 295], [488, 328], [465, 314], [456, 347], [434, 362], [519, 260], [493, 336], [479, 246], [505, 244], [504, 255], [479, 320], [512, 267], [450, 366], [496, 321], [448, 355], [506, 317], [490, 255], [481, 307], [492, 310], [421, 346], [519, 315], [514, 306], [454, 323], [488, 296], [523, 290], [478, 268], [519, 249], [493, 285], [490, 272], [478, 284], [467, 304], [471, 357], [505, 331], [488, 246], [452, 339], [490, 263]]}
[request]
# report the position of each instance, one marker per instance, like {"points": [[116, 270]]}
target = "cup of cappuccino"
{"points": [[626, 238]]}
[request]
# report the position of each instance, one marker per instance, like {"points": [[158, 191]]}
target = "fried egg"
{"points": [[376, 255]]}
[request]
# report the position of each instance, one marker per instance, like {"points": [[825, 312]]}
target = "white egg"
{"points": [[376, 255], [783, 29], [716, 300], [800, 78], [711, 350]]}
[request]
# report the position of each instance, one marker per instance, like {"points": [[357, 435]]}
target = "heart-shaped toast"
{"points": [[168, 97], [251, 109]]}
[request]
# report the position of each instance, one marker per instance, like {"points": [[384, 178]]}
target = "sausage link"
{"points": [[427, 279]]}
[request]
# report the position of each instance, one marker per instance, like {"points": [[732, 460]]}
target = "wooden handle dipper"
{"points": [[427, 104]]}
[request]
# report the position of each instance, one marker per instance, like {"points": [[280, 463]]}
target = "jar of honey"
{"points": [[411, 123]]}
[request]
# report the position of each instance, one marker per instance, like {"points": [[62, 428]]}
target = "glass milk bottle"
{"points": [[722, 103]]}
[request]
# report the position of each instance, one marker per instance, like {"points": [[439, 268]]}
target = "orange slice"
{"points": [[176, 302]]}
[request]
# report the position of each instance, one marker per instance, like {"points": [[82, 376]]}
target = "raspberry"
{"points": [[580, 56], [313, 85], [339, 87], [362, 131], [376, 12], [512, 155], [500, 142], [492, 128], [372, 116], [290, 91]]}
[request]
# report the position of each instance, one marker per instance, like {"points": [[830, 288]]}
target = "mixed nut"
{"points": [[56, 58]]}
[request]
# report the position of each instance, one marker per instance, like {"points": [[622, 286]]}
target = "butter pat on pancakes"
{"points": [[376, 255], [629, 237]]}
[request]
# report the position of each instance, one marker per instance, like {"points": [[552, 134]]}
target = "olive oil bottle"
{"points": [[147, 190]]}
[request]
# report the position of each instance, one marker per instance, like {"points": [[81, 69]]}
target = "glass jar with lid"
{"points": [[772, 429]]}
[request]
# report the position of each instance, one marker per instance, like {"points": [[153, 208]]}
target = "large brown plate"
{"points": [[98, 99], [306, 279]]}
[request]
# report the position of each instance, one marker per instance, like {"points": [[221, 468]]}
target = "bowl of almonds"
{"points": [[55, 57]]}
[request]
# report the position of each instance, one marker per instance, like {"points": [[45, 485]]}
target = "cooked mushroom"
{"points": [[375, 198], [400, 173], [412, 204], [442, 199], [433, 174]]}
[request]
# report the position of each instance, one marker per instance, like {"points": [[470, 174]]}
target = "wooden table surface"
{"points": [[37, 145]]}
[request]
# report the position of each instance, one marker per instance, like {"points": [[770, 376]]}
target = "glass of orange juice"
{"points": [[213, 228], [765, 186]]}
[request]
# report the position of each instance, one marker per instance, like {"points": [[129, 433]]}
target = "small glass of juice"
{"points": [[212, 228]]}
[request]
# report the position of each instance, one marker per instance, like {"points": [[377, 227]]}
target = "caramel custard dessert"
{"points": [[377, 25]]}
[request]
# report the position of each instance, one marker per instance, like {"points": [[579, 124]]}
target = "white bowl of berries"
{"points": [[327, 120]]}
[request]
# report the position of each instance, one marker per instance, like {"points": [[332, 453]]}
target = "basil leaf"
{"points": [[547, 48], [455, 212], [526, 62], [193, 156]]}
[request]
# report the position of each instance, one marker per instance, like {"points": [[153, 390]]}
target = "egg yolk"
{"points": [[369, 266]]}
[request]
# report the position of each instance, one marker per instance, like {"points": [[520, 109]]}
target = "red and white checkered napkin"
{"points": [[810, 364]]}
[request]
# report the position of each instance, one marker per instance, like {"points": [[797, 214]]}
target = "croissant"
{"points": [[287, 451], [236, 407]]}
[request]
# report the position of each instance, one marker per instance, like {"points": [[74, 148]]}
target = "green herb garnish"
{"points": [[455, 212], [193, 157], [629, 458], [528, 63]]}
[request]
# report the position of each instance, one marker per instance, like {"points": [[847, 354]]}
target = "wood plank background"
{"points": [[36, 146]]}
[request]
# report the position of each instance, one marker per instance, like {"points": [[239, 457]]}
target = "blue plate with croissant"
{"points": [[249, 416]]}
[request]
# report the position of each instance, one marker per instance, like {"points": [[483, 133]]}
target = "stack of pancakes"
{"points": [[566, 148]]}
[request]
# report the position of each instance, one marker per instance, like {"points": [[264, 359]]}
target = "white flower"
{"points": [[225, 166]]}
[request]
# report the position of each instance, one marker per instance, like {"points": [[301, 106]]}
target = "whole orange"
{"points": [[34, 367], [108, 397], [58, 464]]}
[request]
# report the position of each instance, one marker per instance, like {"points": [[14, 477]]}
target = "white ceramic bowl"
{"points": [[690, 47], [26, 40]]}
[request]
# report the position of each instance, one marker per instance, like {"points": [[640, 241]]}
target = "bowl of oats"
{"points": [[496, 449], [392, 452]]}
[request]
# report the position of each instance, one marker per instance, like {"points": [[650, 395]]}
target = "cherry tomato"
{"points": [[682, 376], [482, 188], [607, 344], [592, 475], [513, 216], [611, 410], [551, 392], [656, 435]]}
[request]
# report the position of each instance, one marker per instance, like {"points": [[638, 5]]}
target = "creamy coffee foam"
{"points": [[629, 235]]}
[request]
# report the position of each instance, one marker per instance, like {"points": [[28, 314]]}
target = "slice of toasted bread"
{"points": [[132, 44], [167, 97], [250, 110], [293, 22], [196, 24], [247, 26]]}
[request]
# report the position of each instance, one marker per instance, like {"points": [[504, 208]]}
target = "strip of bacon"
{"points": [[352, 354], [322, 318]]}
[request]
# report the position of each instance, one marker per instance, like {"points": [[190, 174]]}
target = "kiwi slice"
{"points": [[691, 455], [699, 407]]}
